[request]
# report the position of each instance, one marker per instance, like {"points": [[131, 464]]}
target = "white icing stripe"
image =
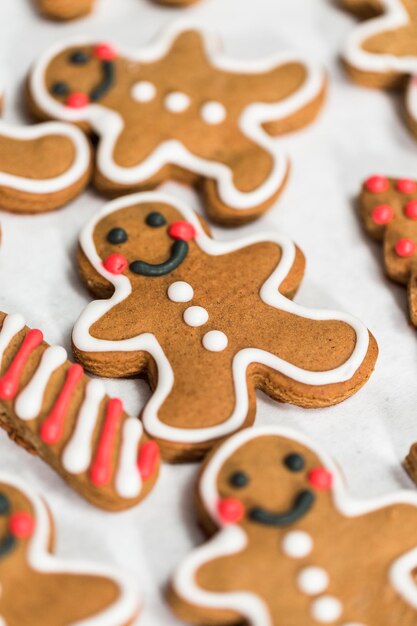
{"points": [[29, 401], [121, 611], [109, 124], [78, 452], [48, 185], [12, 325], [232, 539], [147, 342], [411, 99], [128, 478]]}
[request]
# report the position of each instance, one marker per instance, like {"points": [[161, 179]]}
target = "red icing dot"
{"points": [[382, 214], [148, 458], [230, 510], [105, 52], [21, 525], [411, 210], [320, 478], [115, 263], [77, 100], [377, 184], [406, 185], [182, 230], [405, 247]]}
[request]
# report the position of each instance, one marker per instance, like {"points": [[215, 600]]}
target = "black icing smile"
{"points": [[302, 505], [109, 72], [179, 251]]}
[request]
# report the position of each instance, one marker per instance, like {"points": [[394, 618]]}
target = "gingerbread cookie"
{"points": [[52, 409], [71, 9], [290, 546], [388, 209], [179, 109], [39, 589], [382, 52], [206, 322]]}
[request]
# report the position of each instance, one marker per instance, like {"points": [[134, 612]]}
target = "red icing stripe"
{"points": [[100, 472], [52, 428], [148, 458], [9, 383]]}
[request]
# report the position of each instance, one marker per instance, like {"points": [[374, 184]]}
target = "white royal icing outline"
{"points": [[109, 124], [394, 16], [58, 183], [147, 342], [231, 538], [41, 560]]}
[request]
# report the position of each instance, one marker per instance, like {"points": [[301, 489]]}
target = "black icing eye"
{"points": [[155, 220], [4, 504], [79, 58], [239, 479], [60, 89], [294, 462], [117, 235]]}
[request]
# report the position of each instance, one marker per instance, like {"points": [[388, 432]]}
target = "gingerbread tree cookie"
{"points": [[382, 52], [71, 9], [39, 589], [180, 110], [389, 213], [52, 409], [290, 546], [207, 322]]}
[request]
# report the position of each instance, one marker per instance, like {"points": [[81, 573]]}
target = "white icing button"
{"points": [[195, 316], [326, 609], [144, 91], [297, 544], [215, 341], [213, 112], [313, 580], [177, 102], [180, 291]]}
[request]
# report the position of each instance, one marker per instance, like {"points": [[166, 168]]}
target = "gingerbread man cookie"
{"points": [[206, 322], [290, 546], [388, 210], [382, 52], [52, 409], [71, 9], [39, 589], [180, 110]]}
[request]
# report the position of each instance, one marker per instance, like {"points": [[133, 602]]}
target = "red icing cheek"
{"points": [[382, 214], [105, 52], [406, 185], [182, 230], [77, 100], [411, 210], [377, 184], [115, 263], [148, 458], [21, 525], [320, 478], [230, 510]]}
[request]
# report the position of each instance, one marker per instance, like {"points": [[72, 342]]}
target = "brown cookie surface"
{"points": [[48, 406], [38, 589], [207, 322], [291, 546], [72, 9], [180, 110]]}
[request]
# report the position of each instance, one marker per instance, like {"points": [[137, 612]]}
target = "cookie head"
{"points": [[143, 240], [269, 482], [17, 521], [81, 75]]}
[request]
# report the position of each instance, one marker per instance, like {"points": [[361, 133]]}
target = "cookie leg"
{"points": [[65, 9], [412, 296]]}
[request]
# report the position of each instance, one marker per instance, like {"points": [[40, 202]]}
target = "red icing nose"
{"points": [[182, 230], [320, 478], [148, 458], [115, 263], [105, 52], [77, 100], [230, 510], [21, 525]]}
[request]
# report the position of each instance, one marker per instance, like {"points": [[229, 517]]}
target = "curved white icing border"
{"points": [[394, 16], [147, 342], [68, 178], [109, 124], [411, 99], [118, 614], [232, 538]]}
